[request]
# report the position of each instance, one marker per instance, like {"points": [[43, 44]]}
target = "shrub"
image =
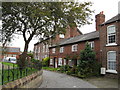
{"points": [[37, 64], [88, 66], [45, 62], [64, 68]]}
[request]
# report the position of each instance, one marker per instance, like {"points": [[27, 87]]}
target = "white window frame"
{"points": [[51, 61], [61, 36], [110, 70], [60, 61], [53, 50], [110, 44], [61, 49], [92, 44], [74, 47]]}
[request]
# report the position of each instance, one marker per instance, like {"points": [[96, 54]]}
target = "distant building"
{"points": [[41, 49], [10, 52]]}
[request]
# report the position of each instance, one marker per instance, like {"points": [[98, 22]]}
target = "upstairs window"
{"points": [[91, 44], [74, 48], [111, 34], [61, 49], [53, 50], [61, 36]]}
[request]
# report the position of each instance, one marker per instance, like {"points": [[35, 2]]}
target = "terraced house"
{"points": [[65, 49], [110, 45]]}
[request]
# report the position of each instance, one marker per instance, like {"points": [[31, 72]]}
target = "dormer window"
{"points": [[111, 34]]}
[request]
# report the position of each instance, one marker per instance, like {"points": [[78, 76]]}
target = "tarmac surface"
{"points": [[60, 80]]}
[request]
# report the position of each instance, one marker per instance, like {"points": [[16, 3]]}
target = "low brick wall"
{"points": [[31, 81]]}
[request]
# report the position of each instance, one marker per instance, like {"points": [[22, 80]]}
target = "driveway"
{"points": [[58, 80]]}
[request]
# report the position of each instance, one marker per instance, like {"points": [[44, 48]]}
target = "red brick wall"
{"points": [[68, 50], [103, 41]]}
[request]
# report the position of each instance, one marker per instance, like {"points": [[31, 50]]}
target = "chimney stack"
{"points": [[100, 18], [119, 7]]}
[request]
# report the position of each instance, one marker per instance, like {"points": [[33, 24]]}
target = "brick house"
{"points": [[41, 49], [110, 44], [67, 51]]}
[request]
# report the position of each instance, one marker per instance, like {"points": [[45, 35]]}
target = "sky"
{"points": [[110, 8]]}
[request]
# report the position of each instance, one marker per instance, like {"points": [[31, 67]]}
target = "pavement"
{"points": [[60, 80], [103, 82]]}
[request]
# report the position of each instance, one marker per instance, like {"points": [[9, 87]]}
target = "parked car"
{"points": [[10, 59]]}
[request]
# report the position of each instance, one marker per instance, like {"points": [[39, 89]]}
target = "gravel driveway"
{"points": [[58, 80]]}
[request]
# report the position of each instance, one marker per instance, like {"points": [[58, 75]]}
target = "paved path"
{"points": [[58, 80]]}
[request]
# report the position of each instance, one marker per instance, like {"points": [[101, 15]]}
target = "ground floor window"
{"points": [[51, 61], [60, 61], [111, 60]]}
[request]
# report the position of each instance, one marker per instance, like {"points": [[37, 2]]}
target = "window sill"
{"points": [[112, 44], [112, 71]]}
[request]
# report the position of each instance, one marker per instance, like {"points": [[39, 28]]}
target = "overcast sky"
{"points": [[110, 8]]}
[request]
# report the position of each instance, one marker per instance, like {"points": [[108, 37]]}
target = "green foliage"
{"points": [[45, 62], [51, 68], [88, 66], [37, 64], [64, 68], [30, 55]]}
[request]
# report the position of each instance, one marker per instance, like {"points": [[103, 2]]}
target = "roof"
{"points": [[113, 19], [80, 38]]}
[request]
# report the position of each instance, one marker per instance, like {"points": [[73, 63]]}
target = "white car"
{"points": [[10, 59]]}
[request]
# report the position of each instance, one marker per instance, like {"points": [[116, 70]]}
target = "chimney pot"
{"points": [[100, 18]]}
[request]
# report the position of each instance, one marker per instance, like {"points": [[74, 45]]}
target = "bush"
{"points": [[64, 68], [88, 66], [45, 62], [37, 64]]}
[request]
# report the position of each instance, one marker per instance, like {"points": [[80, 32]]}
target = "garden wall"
{"points": [[32, 81]]}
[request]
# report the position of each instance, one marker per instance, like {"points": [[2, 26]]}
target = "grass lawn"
{"points": [[10, 64], [14, 73], [51, 69]]}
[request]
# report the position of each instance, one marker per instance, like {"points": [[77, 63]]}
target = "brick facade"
{"points": [[105, 48], [74, 37]]}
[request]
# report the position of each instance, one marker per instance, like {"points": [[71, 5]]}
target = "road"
{"points": [[59, 80]]}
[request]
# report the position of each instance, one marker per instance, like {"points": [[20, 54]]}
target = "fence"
{"points": [[10, 73]]}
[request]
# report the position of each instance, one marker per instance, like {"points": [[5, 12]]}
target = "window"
{"points": [[61, 49], [51, 61], [111, 64], [111, 34], [60, 61], [43, 48], [74, 48], [91, 44], [61, 36], [53, 50]]}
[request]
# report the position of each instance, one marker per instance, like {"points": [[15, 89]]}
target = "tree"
{"points": [[44, 19], [88, 65]]}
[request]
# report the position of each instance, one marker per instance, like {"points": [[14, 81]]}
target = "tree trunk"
{"points": [[22, 62]]}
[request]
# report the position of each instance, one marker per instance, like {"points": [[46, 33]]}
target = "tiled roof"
{"points": [[80, 38], [113, 19]]}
